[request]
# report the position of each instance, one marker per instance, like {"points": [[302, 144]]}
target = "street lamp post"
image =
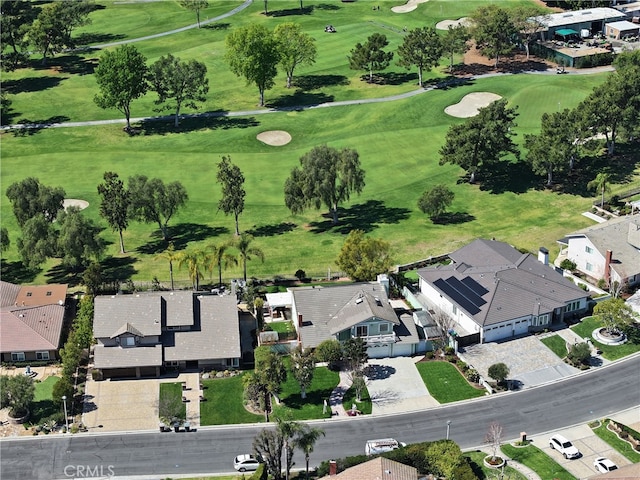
{"points": [[448, 428], [66, 417]]}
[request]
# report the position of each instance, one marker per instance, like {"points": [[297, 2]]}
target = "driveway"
{"points": [[396, 386], [529, 360]]}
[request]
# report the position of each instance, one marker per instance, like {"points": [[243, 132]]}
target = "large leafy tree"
{"points": [[153, 201], [354, 352], [494, 31], [19, 394], [195, 6], [247, 252], [16, 17], [268, 445], [363, 258], [253, 53], [370, 56], [178, 83], [38, 241], [554, 147], [481, 140], [78, 240], [5, 241], [421, 47], [121, 75], [29, 198], [434, 202], [499, 372], [455, 42], [295, 47], [615, 314], [528, 21], [231, 179], [326, 176], [303, 365], [600, 184], [114, 204]]}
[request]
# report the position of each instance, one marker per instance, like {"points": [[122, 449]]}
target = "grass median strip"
{"points": [[538, 461], [617, 443], [556, 344], [611, 352]]}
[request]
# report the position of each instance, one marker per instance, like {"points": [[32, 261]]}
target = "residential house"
{"points": [[356, 310], [376, 469], [138, 335], [492, 292], [31, 321], [608, 250]]}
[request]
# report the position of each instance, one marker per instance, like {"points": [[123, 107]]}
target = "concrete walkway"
{"points": [[335, 399]]}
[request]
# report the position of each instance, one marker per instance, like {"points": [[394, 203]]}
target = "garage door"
{"points": [[521, 327], [493, 334], [379, 351]]}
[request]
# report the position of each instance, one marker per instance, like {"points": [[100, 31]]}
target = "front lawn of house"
{"points": [[483, 472], [43, 405], [556, 344], [364, 406], [324, 381], [223, 403], [617, 443], [445, 382], [538, 461], [611, 352], [170, 400]]}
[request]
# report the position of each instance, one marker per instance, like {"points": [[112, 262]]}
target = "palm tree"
{"points": [[171, 255], [247, 252], [220, 258], [194, 259], [305, 441], [288, 430], [601, 183]]}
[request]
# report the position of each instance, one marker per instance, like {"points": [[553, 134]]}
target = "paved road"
{"points": [[579, 399]]}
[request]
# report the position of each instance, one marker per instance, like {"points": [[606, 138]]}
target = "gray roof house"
{"points": [[609, 250], [139, 334], [355, 310], [492, 292]]}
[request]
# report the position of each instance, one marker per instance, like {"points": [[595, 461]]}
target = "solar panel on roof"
{"points": [[456, 296], [466, 292], [475, 286]]}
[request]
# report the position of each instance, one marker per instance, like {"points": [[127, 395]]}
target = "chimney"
{"points": [[299, 320], [383, 279], [607, 266], [333, 468], [543, 256]]}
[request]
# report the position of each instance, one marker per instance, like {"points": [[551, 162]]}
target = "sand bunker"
{"points": [[444, 25], [469, 105], [276, 138], [410, 6], [74, 202]]}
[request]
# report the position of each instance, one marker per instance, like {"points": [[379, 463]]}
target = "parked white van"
{"points": [[381, 445]]}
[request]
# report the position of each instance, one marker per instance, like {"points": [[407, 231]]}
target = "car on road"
{"points": [[246, 463], [564, 446], [381, 445], [604, 465]]}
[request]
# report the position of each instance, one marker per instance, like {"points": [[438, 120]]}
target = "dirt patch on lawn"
{"points": [[275, 138]]}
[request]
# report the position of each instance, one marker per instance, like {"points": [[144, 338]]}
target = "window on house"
{"points": [[384, 328], [29, 294], [17, 356], [362, 331], [233, 362], [128, 341], [588, 249], [171, 363], [455, 309], [42, 355], [589, 267]]}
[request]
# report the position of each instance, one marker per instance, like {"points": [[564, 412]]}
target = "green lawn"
{"points": [[282, 327], [538, 461], [309, 408], [43, 405], [617, 443], [556, 344], [611, 352], [223, 403], [511, 207], [171, 393], [445, 383], [485, 473], [350, 398]]}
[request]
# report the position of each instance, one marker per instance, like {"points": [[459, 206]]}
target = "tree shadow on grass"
{"points": [[62, 274], [180, 235], [393, 78], [314, 397], [313, 82], [291, 11], [16, 272], [118, 269], [31, 84], [515, 177], [272, 230], [362, 216], [41, 410], [193, 123], [217, 26], [300, 98], [31, 127], [453, 218], [73, 64], [89, 38]]}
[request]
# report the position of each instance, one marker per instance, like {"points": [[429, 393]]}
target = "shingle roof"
{"points": [[377, 469], [622, 237], [143, 312], [218, 335], [179, 308], [30, 329], [125, 357], [8, 294], [127, 328], [318, 305], [361, 307], [515, 284], [36, 295]]}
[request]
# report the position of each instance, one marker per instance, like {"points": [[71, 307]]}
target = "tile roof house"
{"points": [[379, 468], [355, 310], [31, 321], [493, 292], [140, 334], [609, 250]]}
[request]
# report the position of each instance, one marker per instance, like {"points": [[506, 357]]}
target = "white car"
{"points": [[604, 465], [564, 446], [246, 463], [374, 447]]}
